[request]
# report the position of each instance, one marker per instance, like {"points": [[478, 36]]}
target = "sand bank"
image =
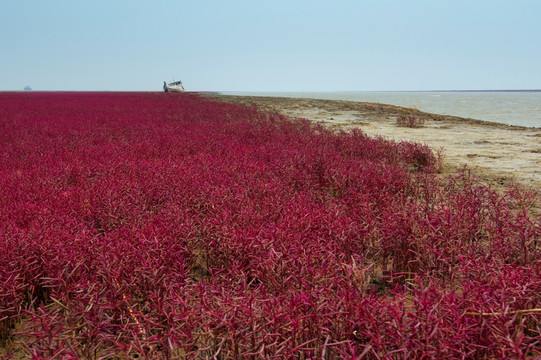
{"points": [[495, 153]]}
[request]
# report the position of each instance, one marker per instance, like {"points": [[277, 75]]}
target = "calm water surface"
{"points": [[513, 108]]}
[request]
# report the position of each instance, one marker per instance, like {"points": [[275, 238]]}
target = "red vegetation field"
{"points": [[150, 225]]}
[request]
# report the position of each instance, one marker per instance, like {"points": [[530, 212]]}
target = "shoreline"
{"points": [[497, 154]]}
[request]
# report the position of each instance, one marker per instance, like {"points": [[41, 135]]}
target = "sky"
{"points": [[263, 45]]}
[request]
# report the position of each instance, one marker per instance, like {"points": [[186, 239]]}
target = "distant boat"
{"points": [[27, 88], [175, 86]]}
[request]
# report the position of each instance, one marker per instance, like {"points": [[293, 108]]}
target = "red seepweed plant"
{"points": [[150, 225], [410, 121]]}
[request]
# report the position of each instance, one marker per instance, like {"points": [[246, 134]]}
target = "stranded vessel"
{"points": [[175, 86]]}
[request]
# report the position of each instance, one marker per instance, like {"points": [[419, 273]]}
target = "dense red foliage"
{"points": [[166, 226]]}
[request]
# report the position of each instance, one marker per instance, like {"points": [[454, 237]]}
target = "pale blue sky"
{"points": [[278, 45]]}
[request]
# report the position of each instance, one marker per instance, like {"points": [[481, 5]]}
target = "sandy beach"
{"points": [[497, 154]]}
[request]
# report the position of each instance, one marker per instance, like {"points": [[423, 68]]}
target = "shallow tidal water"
{"points": [[522, 108]]}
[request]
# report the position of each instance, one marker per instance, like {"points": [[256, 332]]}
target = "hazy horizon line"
{"points": [[284, 91], [346, 91]]}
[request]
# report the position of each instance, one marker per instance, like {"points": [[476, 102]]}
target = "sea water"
{"points": [[522, 108]]}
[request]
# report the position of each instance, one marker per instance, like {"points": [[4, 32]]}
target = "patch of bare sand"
{"points": [[495, 153]]}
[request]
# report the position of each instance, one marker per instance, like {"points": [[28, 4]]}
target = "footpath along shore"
{"points": [[497, 154]]}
